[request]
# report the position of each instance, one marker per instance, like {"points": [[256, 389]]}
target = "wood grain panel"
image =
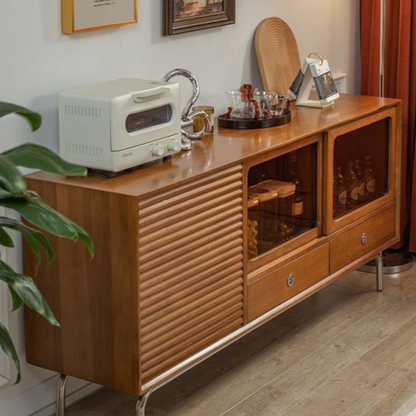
{"points": [[182, 261], [207, 318], [190, 269], [159, 328], [191, 348], [174, 345], [349, 246], [273, 289], [186, 231], [159, 291], [95, 300], [218, 255], [189, 292]]}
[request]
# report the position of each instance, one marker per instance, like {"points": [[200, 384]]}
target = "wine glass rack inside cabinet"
{"points": [[195, 252]]}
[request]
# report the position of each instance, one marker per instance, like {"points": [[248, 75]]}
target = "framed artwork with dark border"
{"points": [[181, 16]]}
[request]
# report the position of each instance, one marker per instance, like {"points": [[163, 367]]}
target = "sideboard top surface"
{"points": [[227, 147]]}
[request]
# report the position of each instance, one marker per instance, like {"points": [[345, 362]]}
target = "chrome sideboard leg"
{"points": [[141, 403], [379, 272], [60, 395]]}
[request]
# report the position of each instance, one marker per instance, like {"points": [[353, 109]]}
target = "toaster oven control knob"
{"points": [[174, 146], [158, 149]]}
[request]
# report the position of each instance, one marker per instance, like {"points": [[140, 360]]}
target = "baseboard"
{"points": [[40, 399]]}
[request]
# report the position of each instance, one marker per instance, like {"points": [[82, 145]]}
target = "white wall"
{"points": [[37, 61]]}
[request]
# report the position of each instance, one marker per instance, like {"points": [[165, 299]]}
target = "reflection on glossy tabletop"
{"points": [[226, 147]]}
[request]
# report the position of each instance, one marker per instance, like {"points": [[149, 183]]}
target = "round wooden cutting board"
{"points": [[277, 54]]}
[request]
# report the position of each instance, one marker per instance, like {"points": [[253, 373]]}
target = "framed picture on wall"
{"points": [[83, 15], [181, 16]]}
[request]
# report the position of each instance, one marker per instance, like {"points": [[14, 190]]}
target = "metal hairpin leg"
{"points": [[379, 272], [141, 403], [60, 395]]}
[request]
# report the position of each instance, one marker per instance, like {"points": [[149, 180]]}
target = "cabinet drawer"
{"points": [[359, 241], [287, 281]]}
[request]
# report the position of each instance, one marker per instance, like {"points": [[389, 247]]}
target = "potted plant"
{"points": [[15, 196]]}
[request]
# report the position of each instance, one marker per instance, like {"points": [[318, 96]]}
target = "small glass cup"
{"points": [[241, 110], [279, 105], [234, 98], [265, 101]]}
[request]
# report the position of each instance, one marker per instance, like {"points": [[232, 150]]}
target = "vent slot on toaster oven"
{"points": [[83, 150], [82, 111]]}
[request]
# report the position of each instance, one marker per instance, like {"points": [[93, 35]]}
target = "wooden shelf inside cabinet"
{"points": [[175, 277]]}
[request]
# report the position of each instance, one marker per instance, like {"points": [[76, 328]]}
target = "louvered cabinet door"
{"points": [[191, 269]]}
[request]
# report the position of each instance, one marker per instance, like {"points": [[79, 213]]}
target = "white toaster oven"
{"points": [[119, 124]]}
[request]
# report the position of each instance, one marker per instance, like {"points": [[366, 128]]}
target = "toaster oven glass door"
{"points": [[148, 118]]}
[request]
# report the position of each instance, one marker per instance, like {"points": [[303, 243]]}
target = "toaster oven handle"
{"points": [[150, 95]]}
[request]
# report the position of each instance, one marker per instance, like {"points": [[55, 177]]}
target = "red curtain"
{"points": [[370, 47], [400, 82]]}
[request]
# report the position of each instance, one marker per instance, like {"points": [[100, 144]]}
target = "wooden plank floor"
{"points": [[347, 350]]}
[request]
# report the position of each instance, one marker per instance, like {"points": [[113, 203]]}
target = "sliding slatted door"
{"points": [[191, 269]]}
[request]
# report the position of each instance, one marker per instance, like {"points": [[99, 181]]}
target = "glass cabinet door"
{"points": [[282, 202], [359, 157]]}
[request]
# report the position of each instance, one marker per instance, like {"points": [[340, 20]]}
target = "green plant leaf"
{"points": [[38, 157], [38, 213], [81, 233], [27, 291], [11, 179], [85, 238], [17, 302], [5, 239], [8, 348], [34, 119], [33, 237], [5, 266]]}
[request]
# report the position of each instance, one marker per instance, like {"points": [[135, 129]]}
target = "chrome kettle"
{"points": [[188, 115]]}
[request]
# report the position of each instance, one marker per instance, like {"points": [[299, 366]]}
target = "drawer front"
{"points": [[359, 241], [287, 281]]}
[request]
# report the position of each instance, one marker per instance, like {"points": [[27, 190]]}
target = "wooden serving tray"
{"points": [[230, 123]]}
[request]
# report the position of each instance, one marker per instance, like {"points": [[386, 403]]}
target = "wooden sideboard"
{"points": [[172, 282]]}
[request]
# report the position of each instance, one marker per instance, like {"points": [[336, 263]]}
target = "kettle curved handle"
{"points": [[187, 115]]}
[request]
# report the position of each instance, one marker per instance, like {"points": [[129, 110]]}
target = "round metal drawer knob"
{"points": [[290, 280], [364, 239]]}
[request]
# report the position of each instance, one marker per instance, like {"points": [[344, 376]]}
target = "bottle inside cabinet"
{"points": [[352, 187], [293, 177], [282, 199], [360, 180], [340, 192], [360, 167]]}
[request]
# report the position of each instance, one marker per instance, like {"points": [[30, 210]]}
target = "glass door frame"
{"points": [[330, 224], [303, 238]]}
